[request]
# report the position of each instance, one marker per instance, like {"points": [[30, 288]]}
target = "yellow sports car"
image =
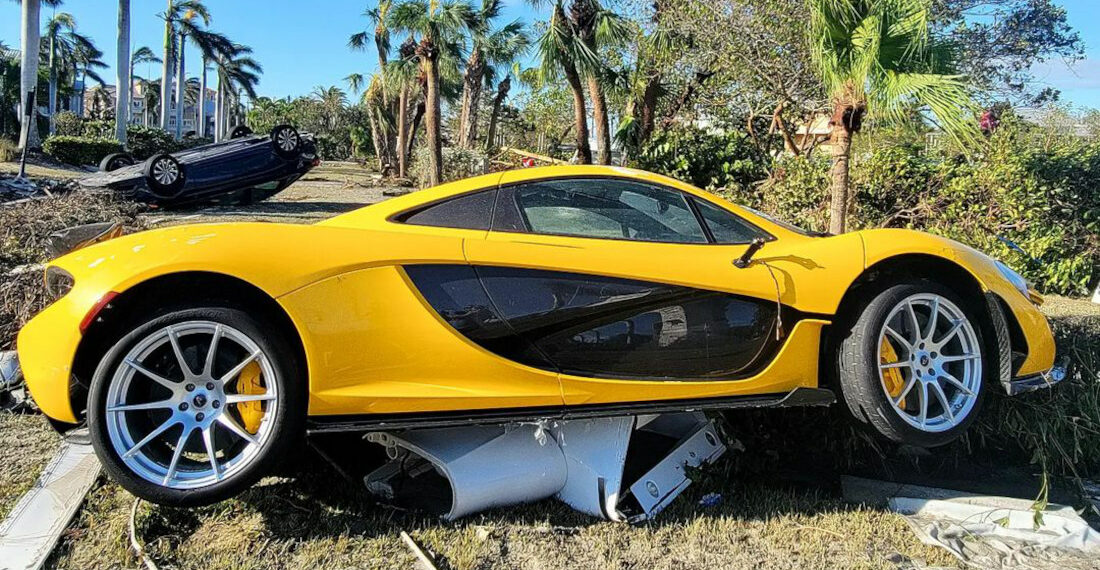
{"points": [[198, 354]]}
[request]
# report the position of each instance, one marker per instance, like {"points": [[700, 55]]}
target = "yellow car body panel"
{"points": [[373, 344]]}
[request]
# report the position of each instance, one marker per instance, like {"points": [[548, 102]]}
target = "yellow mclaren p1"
{"points": [[198, 354]]}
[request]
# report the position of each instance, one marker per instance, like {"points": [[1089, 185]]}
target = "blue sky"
{"points": [[304, 44]]}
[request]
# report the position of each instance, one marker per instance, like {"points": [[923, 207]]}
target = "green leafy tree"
{"points": [[439, 25], [879, 57], [559, 51], [491, 48]]}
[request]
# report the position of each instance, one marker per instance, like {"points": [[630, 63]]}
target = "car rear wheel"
{"points": [[194, 406], [286, 141], [113, 162], [164, 175], [912, 367], [240, 131]]}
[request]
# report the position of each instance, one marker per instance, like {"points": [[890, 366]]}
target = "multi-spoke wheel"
{"points": [[912, 367], [286, 141], [189, 408], [164, 175]]}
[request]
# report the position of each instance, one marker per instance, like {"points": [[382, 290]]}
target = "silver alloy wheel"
{"points": [[193, 437], [287, 139], [934, 381], [166, 171]]}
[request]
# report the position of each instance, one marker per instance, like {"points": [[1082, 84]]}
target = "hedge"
{"points": [[79, 151]]}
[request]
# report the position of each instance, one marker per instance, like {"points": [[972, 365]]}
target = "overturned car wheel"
{"points": [[194, 406], [113, 162], [164, 175], [287, 142], [240, 131]]}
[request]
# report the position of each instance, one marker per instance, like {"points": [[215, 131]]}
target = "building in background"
{"points": [[145, 109]]}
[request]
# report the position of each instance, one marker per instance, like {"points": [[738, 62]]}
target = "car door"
{"points": [[621, 286]]}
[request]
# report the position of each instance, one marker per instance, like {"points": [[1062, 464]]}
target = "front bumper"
{"points": [[1036, 381]]}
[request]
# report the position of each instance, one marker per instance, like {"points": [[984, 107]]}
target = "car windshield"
{"points": [[786, 225]]}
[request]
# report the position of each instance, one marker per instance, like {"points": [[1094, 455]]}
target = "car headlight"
{"points": [[1014, 278], [58, 283]]}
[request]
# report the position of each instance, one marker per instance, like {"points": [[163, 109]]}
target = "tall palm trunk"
{"points": [[167, 68], [580, 115], [471, 98], [838, 204], [51, 104], [498, 101], [219, 103], [377, 139], [403, 132], [200, 115], [181, 84], [430, 63], [30, 43], [122, 73], [600, 119]]}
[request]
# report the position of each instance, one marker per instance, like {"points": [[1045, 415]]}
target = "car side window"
{"points": [[469, 211], [725, 226], [608, 208]]}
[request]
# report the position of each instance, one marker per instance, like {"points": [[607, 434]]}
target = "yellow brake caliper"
{"points": [[892, 377], [248, 383]]}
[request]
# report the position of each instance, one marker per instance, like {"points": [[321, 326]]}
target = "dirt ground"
{"points": [[316, 519]]}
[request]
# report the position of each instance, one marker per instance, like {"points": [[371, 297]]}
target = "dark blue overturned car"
{"points": [[248, 166]]}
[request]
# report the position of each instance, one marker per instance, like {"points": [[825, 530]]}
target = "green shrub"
{"points": [[68, 123], [798, 191], [727, 160], [457, 164], [79, 151], [146, 141], [98, 128]]}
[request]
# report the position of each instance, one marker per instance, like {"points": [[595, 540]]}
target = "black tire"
{"points": [[857, 367], [286, 142], [288, 422], [240, 131], [113, 162], [158, 175]]}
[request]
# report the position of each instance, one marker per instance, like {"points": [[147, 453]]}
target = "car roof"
{"points": [[377, 216]]}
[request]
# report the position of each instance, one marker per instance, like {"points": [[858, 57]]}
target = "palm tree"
{"points": [[176, 11], [877, 58], [210, 45], [86, 63], [490, 48], [379, 97], [123, 72], [560, 51], [596, 26], [60, 32], [141, 55], [503, 87], [237, 71], [438, 24], [30, 44], [332, 100]]}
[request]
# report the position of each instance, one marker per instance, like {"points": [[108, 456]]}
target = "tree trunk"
{"points": [[580, 116], [167, 69], [122, 73], [403, 132], [648, 115], [498, 101], [471, 98], [28, 75], [376, 136], [600, 118], [838, 206], [200, 116], [219, 110], [430, 65], [418, 117], [181, 85], [51, 104]]}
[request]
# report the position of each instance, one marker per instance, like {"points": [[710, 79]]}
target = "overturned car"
{"points": [[249, 165]]}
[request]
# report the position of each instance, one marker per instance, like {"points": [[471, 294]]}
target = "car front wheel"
{"points": [[194, 406], [912, 367]]}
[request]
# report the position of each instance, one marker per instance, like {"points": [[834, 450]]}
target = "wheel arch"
{"points": [[146, 299], [942, 270]]}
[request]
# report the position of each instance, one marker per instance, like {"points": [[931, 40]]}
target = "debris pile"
{"points": [[14, 189]]}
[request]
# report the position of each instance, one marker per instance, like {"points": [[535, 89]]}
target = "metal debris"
{"points": [[458, 471]]}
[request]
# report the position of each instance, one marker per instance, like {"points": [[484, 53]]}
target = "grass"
{"points": [[317, 520], [28, 444]]}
